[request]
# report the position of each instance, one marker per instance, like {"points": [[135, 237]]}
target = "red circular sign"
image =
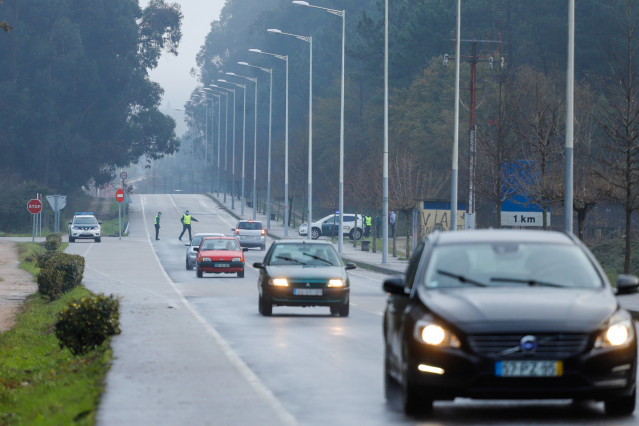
{"points": [[34, 206], [119, 195]]}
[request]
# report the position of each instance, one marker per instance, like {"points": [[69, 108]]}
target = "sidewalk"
{"points": [[363, 259]]}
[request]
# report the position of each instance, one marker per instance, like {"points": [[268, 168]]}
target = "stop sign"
{"points": [[34, 206], [119, 195]]}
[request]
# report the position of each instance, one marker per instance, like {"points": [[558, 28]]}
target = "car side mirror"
{"points": [[350, 266], [244, 248], [100, 222], [627, 284], [394, 285], [69, 223], [196, 248], [233, 229], [258, 265]]}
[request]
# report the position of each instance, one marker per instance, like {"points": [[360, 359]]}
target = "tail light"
{"points": [[237, 231], [263, 231]]}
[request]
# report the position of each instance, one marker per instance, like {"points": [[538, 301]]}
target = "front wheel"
{"points": [[355, 234], [189, 267], [199, 273], [266, 307], [623, 406], [97, 240], [413, 400], [315, 233], [341, 309], [240, 274], [71, 239]]}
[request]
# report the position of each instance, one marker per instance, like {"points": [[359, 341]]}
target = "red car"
{"points": [[220, 255]]}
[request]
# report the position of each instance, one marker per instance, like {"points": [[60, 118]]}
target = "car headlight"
{"points": [[236, 259], [206, 259], [336, 282], [435, 335], [616, 334], [279, 282]]}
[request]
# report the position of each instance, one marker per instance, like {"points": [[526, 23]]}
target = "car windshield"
{"points": [[510, 264], [226, 244], [304, 254], [250, 225], [85, 221]]}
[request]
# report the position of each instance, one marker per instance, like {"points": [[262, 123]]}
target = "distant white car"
{"points": [[250, 233], [84, 226], [191, 253], [329, 225]]}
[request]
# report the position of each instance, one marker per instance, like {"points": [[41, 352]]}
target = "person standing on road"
{"points": [[368, 222], [157, 225], [392, 218], [186, 224]]}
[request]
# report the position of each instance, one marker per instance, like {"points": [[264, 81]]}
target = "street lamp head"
{"points": [[301, 3], [243, 63], [221, 80], [255, 50], [231, 73], [274, 30]]}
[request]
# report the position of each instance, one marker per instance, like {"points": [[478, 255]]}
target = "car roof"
{"points": [[503, 235], [209, 234], [219, 237], [299, 241], [249, 220]]}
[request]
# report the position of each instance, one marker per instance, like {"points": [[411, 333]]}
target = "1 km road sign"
{"points": [[34, 206], [119, 195]]}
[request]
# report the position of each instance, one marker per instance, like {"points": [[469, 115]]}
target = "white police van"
{"points": [[84, 226]]}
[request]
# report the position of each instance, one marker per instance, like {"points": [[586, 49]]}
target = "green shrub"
{"points": [[86, 323], [59, 273], [53, 242]]}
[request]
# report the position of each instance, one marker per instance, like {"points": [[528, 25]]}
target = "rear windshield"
{"points": [[250, 225]]}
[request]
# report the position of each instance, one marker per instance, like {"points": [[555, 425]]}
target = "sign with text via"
{"points": [[527, 219]]}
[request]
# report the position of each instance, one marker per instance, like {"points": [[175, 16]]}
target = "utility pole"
{"points": [[485, 55]]}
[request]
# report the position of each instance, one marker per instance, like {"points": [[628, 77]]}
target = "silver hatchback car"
{"points": [[250, 233], [191, 253]]}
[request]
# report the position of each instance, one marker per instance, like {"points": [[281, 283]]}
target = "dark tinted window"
{"points": [[250, 225]]}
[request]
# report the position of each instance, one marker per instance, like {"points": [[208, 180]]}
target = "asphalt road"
{"points": [[196, 350]]}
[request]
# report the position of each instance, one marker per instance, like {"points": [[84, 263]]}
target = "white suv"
{"points": [[84, 226], [250, 233], [328, 226]]}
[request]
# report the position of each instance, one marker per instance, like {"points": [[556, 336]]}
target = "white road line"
{"points": [[249, 375]]}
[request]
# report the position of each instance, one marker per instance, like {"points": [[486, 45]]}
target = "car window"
{"points": [[349, 218], [85, 221], [196, 240], [250, 225], [511, 264], [304, 254], [414, 264], [220, 244]]}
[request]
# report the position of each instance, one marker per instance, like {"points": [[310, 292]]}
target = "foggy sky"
{"points": [[174, 72]]}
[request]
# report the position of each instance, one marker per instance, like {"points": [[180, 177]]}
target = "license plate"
{"points": [[221, 265], [250, 237], [307, 291], [528, 368]]}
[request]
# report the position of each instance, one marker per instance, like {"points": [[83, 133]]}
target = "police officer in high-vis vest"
{"points": [[186, 224], [157, 225]]}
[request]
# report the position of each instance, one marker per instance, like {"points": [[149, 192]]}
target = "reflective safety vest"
{"points": [[157, 219], [368, 220], [186, 219]]}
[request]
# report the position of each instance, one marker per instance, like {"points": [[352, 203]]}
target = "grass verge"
{"points": [[41, 383]]}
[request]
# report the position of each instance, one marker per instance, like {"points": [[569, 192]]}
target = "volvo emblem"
{"points": [[528, 344], [308, 284]]}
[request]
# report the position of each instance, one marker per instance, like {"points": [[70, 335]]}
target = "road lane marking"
{"points": [[285, 416]]}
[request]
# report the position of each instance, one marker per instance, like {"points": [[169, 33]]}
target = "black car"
{"points": [[508, 314], [303, 273]]}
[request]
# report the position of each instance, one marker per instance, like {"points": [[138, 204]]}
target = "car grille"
{"points": [[307, 283], [550, 346]]}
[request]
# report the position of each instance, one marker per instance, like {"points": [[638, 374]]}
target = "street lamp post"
{"points": [[243, 86], [254, 80], [268, 173], [309, 40], [286, 206], [223, 91], [219, 119], [342, 14], [233, 153]]}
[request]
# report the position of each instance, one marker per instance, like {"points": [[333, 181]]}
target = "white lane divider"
{"points": [[285, 416]]}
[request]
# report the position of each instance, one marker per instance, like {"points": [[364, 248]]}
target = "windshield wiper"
{"points": [[529, 282], [318, 258], [461, 278], [290, 259]]}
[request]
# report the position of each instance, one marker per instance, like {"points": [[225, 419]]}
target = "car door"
{"points": [[397, 307], [329, 225]]}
